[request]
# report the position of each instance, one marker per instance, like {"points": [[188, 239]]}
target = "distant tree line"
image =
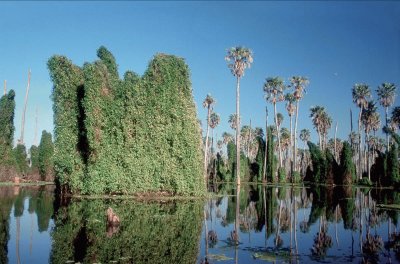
{"points": [[16, 161]]}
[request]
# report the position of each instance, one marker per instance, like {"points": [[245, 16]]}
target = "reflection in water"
{"points": [[148, 232], [250, 224], [12, 204], [303, 225]]}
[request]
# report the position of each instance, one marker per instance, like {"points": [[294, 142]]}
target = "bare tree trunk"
{"points": [[368, 158], [387, 134], [360, 159], [24, 111], [336, 154], [237, 131], [279, 137], [290, 150], [5, 87], [206, 146], [266, 145], [320, 139], [295, 137]]}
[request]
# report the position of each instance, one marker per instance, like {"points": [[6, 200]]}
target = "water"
{"points": [[268, 224]]}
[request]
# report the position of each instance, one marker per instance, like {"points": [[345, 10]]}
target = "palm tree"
{"points": [[395, 119], [304, 136], [245, 134], [214, 122], [290, 107], [285, 141], [316, 117], [238, 58], [233, 121], [299, 83], [274, 87], [386, 94], [207, 103], [226, 137], [361, 93], [266, 143], [368, 116], [326, 123]]}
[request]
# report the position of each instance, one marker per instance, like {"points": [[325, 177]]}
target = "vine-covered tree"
{"points": [[46, 152], [121, 136], [7, 110]]}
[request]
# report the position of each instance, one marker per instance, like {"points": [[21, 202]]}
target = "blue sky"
{"points": [[334, 44]]}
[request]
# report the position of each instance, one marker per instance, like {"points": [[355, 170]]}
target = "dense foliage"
{"points": [[45, 156], [7, 111], [125, 136], [34, 157], [21, 159], [348, 172]]}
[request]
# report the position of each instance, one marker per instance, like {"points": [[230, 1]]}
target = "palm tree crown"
{"points": [[299, 83], [239, 58], [386, 93], [367, 116], [317, 115], [233, 121], [290, 107], [361, 93], [305, 135], [208, 101], [274, 87], [214, 120], [396, 116]]}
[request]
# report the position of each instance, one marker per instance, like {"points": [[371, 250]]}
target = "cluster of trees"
{"points": [[16, 161], [131, 135], [332, 160]]}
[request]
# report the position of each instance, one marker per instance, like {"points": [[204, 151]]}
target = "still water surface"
{"points": [[255, 224]]}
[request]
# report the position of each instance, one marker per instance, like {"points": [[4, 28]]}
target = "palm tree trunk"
{"points": [[266, 142], [320, 138], [237, 131], [368, 158], [387, 134], [295, 137], [291, 158], [279, 137], [206, 146], [360, 146], [5, 87], [336, 154]]}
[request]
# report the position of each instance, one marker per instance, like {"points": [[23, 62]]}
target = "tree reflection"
{"points": [[149, 232]]}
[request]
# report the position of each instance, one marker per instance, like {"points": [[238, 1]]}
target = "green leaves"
{"points": [[45, 156], [126, 136]]}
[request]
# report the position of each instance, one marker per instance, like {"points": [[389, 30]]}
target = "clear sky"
{"points": [[334, 44]]}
